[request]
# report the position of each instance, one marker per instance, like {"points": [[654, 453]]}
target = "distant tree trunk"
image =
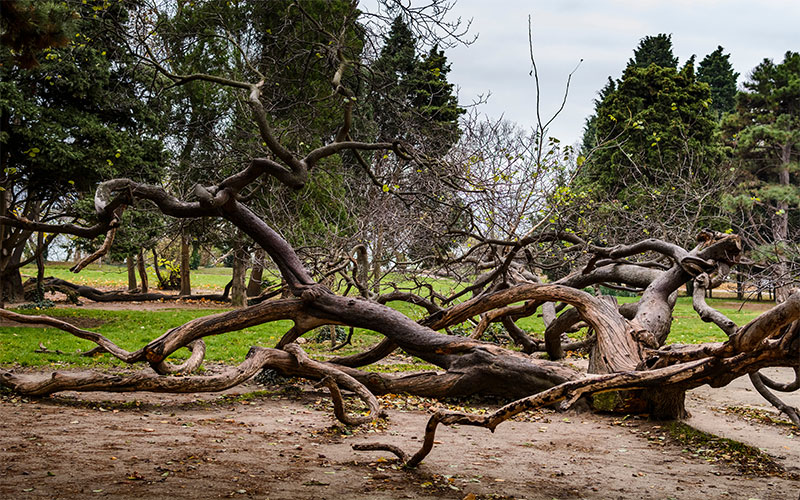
{"points": [[739, 286], [780, 232], [142, 271], [377, 250], [129, 261], [39, 266], [186, 284], [239, 269], [363, 265], [256, 274], [161, 282]]}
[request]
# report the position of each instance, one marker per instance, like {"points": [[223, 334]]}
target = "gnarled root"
{"points": [[569, 391], [332, 379]]}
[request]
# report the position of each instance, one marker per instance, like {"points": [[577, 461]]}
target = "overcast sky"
{"points": [[603, 34]]}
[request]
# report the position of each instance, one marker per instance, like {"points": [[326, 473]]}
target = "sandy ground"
{"points": [[287, 446]]}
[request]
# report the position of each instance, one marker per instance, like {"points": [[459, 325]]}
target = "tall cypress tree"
{"points": [[431, 95], [715, 69], [654, 50]]}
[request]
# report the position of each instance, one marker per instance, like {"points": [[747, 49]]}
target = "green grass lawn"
{"points": [[116, 276], [131, 329]]}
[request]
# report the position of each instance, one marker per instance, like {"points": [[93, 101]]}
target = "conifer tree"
{"points": [[765, 132], [715, 69]]}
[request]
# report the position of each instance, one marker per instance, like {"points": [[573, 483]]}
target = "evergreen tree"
{"points": [[715, 69], [413, 99], [73, 120], [398, 55], [654, 157], [765, 131], [658, 117], [30, 27], [654, 50], [431, 95]]}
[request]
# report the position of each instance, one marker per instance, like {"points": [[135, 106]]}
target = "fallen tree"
{"points": [[628, 355], [630, 367]]}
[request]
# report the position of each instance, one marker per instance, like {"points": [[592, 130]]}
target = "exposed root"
{"points": [[332, 379], [790, 411]]}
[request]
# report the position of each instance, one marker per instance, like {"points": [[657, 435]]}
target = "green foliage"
{"points": [[715, 69], [78, 117], [414, 100], [432, 96], [765, 134], [659, 120], [652, 154], [29, 27], [38, 305], [654, 50], [767, 115]]}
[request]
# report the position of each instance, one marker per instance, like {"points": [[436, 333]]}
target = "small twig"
{"points": [[43, 349]]}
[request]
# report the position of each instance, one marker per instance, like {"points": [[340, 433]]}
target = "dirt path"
{"points": [[287, 446], [711, 412]]}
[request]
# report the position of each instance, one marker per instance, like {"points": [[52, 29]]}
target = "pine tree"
{"points": [[656, 118], [65, 124], [715, 69], [431, 95], [765, 131], [590, 139]]}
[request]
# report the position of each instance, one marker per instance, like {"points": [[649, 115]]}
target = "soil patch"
{"points": [[752, 305], [84, 323], [283, 443]]}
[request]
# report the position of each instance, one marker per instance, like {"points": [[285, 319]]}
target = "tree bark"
{"points": [[238, 298], [13, 290], [131, 265], [186, 284], [377, 251], [256, 274], [363, 267], [40, 266], [140, 263]]}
